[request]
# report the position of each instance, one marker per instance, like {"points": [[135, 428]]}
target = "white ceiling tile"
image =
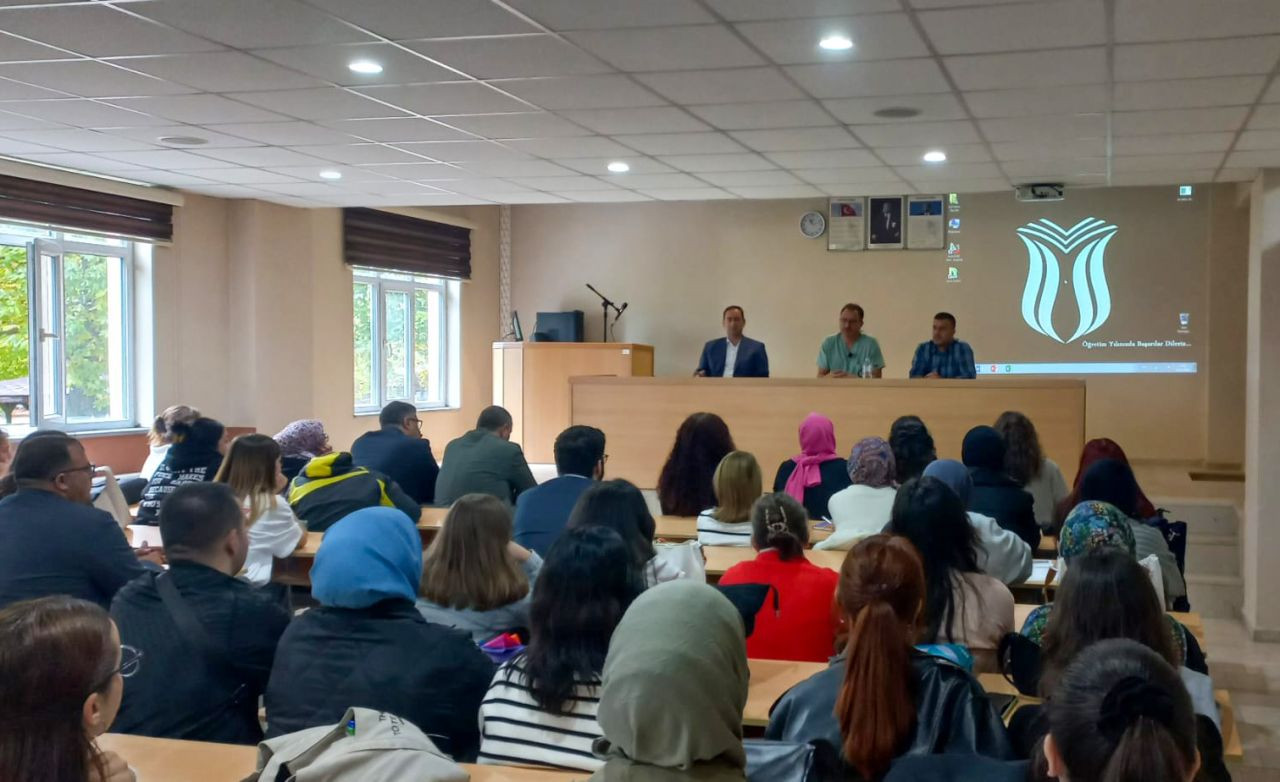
{"points": [[1265, 116], [1149, 163], [668, 48], [605, 14], [404, 129], [533, 197], [82, 113], [965, 186], [930, 134], [561, 183], [286, 133], [511, 56], [1187, 93], [835, 158], [447, 98], [404, 19], [859, 188], [1049, 148], [657, 181], [304, 189], [875, 37], [1054, 169], [796, 139], [99, 31], [1056, 128], [536, 124], [78, 140], [1272, 95], [1253, 159], [835, 176], [221, 72], [760, 116], [1176, 20], [754, 10], [1073, 99], [1047, 25], [359, 154], [350, 174], [153, 134], [10, 121], [946, 171], [199, 109], [1236, 175], [1029, 69], [246, 176], [603, 196], [479, 186], [174, 179], [777, 191], [1172, 144], [171, 159], [600, 165], [592, 146], [580, 92], [9, 146], [741, 85], [654, 119], [1195, 59], [325, 103], [15, 90], [932, 108], [1251, 140], [245, 24], [515, 168], [1139, 179], [14, 49], [416, 171], [262, 156], [750, 178], [456, 151], [89, 79], [681, 143], [863, 79], [1138, 123], [707, 163], [689, 194], [329, 62], [83, 162], [956, 153]]}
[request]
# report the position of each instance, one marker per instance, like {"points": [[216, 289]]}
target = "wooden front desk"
{"points": [[640, 415]]}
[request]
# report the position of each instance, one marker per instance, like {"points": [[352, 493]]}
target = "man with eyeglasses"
{"points": [[399, 451], [209, 638], [52, 540]]}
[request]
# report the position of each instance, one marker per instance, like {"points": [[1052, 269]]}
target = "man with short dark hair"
{"points": [[485, 461], [52, 540], [542, 511], [850, 353], [208, 639], [399, 451], [944, 356], [735, 355]]}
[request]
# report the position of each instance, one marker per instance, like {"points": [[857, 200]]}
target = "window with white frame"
{"points": [[66, 348], [403, 339]]}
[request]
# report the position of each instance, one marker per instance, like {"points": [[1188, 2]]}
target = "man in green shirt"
{"points": [[850, 353]]}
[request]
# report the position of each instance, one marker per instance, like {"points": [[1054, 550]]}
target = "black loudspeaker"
{"points": [[560, 326]]}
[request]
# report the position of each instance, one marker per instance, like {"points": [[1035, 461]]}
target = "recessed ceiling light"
{"points": [[183, 141], [618, 167], [935, 156], [836, 43], [330, 174], [897, 112], [366, 67]]}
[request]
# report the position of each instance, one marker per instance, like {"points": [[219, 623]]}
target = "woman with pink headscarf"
{"points": [[817, 472]]}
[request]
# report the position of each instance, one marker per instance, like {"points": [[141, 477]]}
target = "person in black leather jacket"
{"points": [[995, 494], [930, 705]]}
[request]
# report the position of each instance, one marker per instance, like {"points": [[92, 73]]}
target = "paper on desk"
{"points": [[1040, 570], [145, 535]]}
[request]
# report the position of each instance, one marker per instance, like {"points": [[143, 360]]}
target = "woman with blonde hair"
{"points": [[252, 470], [475, 577], [738, 483]]}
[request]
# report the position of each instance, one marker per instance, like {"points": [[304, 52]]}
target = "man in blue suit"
{"points": [[543, 511], [735, 355]]}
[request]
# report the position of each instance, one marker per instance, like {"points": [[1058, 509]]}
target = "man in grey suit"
{"points": [[484, 461]]}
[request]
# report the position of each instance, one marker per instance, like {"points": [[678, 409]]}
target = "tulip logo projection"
{"points": [[1084, 246]]}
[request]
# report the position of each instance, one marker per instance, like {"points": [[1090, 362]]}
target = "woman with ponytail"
{"points": [[881, 698]]}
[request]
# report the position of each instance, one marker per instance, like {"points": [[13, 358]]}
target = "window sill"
{"points": [[433, 409]]}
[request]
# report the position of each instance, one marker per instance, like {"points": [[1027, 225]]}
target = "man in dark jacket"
{"points": [[330, 487], [542, 511], [995, 494], [485, 461], [399, 451], [200, 677], [52, 541]]}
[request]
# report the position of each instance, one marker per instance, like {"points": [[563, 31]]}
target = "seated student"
{"points": [[738, 484], [52, 540], [253, 471], [674, 689], [208, 637], [1001, 553], [485, 461], [913, 447], [1121, 712], [621, 507], [161, 436], [399, 451], [330, 488], [684, 485], [797, 622], [1111, 481], [300, 442], [475, 577], [881, 698], [62, 670], [541, 706], [542, 512], [366, 644], [817, 472], [995, 494], [963, 605], [1025, 462], [6, 452], [193, 457], [1095, 451], [862, 509]]}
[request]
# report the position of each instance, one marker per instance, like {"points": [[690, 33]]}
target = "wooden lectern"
{"points": [[531, 380]]}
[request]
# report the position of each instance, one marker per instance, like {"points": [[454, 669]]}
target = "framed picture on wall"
{"points": [[846, 229], [884, 223], [926, 227]]}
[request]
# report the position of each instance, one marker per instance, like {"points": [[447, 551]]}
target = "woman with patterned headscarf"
{"points": [[862, 510], [300, 442]]}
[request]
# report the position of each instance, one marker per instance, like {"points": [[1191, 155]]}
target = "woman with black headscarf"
{"points": [[995, 494]]}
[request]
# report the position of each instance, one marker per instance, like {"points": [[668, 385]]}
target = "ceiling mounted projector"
{"points": [[1040, 191]]}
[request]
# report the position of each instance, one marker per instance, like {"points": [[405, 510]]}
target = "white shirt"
{"points": [[713, 532], [856, 512], [149, 467], [1001, 553], [730, 356], [275, 534]]}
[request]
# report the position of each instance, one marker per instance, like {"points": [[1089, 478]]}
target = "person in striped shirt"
{"points": [[541, 707], [738, 483]]}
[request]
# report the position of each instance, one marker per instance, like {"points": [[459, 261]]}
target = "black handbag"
{"points": [[1019, 660]]}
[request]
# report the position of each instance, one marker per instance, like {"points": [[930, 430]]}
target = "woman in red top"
{"points": [[801, 624]]}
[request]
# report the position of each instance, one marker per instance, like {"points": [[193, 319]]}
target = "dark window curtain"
{"points": [[84, 210], [382, 240]]}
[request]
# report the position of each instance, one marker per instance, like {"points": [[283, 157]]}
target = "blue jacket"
{"points": [[406, 460], [753, 360], [542, 512]]}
